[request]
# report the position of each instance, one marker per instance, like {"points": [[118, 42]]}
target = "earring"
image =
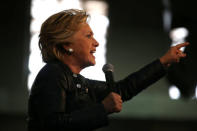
{"points": [[70, 50]]}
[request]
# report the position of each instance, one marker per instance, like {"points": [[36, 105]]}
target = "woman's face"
{"points": [[84, 46]]}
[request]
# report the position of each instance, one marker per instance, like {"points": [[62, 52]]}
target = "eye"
{"points": [[89, 35]]}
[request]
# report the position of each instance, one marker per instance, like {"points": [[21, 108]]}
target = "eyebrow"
{"points": [[90, 32]]}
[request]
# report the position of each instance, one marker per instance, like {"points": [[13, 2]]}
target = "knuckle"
{"points": [[112, 94]]}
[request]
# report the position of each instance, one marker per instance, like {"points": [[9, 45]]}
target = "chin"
{"points": [[92, 63]]}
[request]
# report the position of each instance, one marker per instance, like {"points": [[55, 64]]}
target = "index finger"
{"points": [[182, 45]]}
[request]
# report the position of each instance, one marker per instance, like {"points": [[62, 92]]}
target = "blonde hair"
{"points": [[56, 30]]}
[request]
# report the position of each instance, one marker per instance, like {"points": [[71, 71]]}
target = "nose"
{"points": [[95, 43]]}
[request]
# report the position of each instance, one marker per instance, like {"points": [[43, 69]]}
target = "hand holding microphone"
{"points": [[112, 102]]}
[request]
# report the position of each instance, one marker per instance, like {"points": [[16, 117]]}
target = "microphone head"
{"points": [[108, 67]]}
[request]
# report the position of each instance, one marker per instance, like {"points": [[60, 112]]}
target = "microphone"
{"points": [[108, 70]]}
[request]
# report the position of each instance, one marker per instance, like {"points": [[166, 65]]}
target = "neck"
{"points": [[74, 66]]}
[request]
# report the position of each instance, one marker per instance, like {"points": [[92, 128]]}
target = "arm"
{"points": [[126, 88], [133, 84], [137, 81], [141, 79]]}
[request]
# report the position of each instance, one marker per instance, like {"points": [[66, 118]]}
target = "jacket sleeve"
{"points": [[47, 107], [137, 81], [132, 84]]}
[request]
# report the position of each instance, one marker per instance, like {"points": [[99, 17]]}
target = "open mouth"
{"points": [[92, 52]]}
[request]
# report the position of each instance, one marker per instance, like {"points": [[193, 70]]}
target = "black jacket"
{"points": [[62, 101]]}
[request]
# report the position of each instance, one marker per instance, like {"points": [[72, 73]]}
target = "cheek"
{"points": [[82, 47], [82, 51]]}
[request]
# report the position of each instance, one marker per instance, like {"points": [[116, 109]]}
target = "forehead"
{"points": [[81, 32], [84, 28]]}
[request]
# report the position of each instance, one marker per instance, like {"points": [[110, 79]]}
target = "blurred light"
{"points": [[96, 7], [167, 15], [178, 33], [196, 92], [174, 93], [42, 9], [178, 36]]}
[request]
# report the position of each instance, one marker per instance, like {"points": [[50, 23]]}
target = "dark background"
{"points": [[135, 38]]}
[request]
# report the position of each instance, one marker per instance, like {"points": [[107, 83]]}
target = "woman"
{"points": [[62, 99]]}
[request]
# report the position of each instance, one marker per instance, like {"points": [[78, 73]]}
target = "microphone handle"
{"points": [[109, 80]]}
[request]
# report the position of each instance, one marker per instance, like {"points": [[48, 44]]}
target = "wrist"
{"points": [[164, 62]]}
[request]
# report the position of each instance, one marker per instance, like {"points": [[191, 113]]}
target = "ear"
{"points": [[61, 48], [67, 49]]}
